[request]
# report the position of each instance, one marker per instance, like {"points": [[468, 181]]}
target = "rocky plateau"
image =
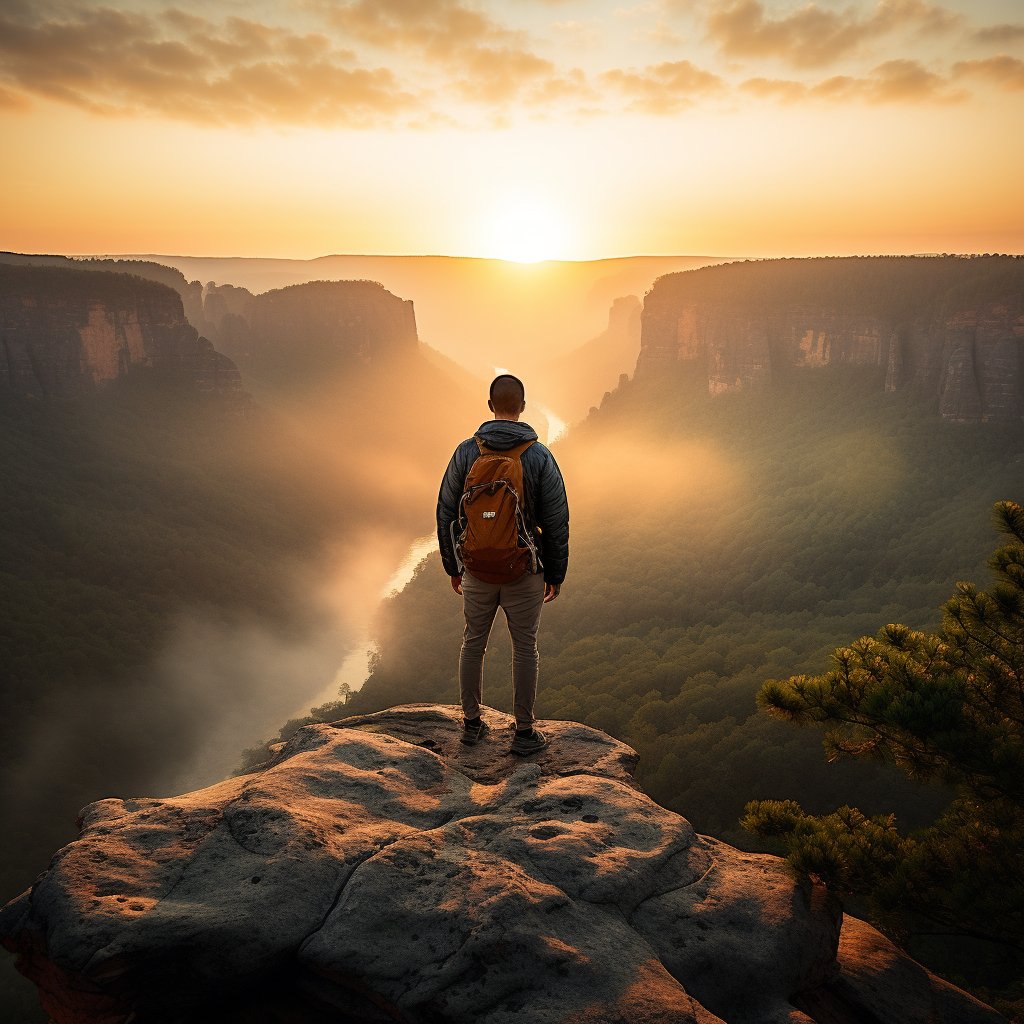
{"points": [[376, 870]]}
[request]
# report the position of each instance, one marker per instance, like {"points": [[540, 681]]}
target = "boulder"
{"points": [[378, 870]]}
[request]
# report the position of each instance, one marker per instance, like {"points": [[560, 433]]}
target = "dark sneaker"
{"points": [[530, 744], [474, 732]]}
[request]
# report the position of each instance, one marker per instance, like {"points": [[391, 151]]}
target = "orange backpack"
{"points": [[494, 543]]}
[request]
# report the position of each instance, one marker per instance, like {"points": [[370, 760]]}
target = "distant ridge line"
{"points": [[402, 256]]}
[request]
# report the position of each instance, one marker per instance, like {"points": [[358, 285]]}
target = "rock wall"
{"points": [[963, 347], [377, 870], [624, 317], [302, 332], [64, 331], [581, 376]]}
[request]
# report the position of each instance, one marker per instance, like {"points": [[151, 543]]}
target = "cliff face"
{"points": [[376, 870], [580, 377], [307, 330], [63, 331], [961, 346], [191, 292]]}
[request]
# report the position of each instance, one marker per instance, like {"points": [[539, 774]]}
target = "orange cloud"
{"points": [[555, 89], [1000, 35], [482, 60], [437, 28], [664, 88], [13, 100], [239, 71], [895, 81], [500, 75], [1004, 71], [781, 89], [422, 63], [814, 36]]}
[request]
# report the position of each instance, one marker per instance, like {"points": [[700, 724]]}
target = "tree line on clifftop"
{"points": [[897, 288]]}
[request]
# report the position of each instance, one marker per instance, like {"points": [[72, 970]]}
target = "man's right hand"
{"points": [[456, 584]]}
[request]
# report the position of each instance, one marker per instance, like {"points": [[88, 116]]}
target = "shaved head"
{"points": [[508, 396]]}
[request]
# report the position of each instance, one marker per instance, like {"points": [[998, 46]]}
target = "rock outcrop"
{"points": [[64, 331], [309, 331], [376, 870], [949, 328]]}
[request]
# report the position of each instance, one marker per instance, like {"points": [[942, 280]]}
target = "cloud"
{"points": [[481, 60], [186, 67], [182, 65], [436, 28], [895, 81], [573, 85], [1004, 71], [664, 88], [499, 76], [814, 36], [999, 35], [783, 90], [421, 63], [13, 100]]}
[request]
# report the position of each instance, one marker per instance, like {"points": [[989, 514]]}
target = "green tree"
{"points": [[947, 707]]}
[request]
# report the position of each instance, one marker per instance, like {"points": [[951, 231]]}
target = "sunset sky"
{"points": [[527, 129]]}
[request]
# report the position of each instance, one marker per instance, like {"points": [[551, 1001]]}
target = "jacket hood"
{"points": [[501, 435]]}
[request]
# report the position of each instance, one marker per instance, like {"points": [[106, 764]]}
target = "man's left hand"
{"points": [[551, 591]]}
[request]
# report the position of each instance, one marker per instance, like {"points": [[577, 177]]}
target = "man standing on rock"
{"points": [[503, 529]]}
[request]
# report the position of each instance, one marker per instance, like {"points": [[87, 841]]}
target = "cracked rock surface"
{"points": [[378, 870]]}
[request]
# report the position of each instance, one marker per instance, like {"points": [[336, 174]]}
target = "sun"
{"points": [[524, 229]]}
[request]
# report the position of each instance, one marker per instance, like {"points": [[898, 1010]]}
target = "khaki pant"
{"points": [[521, 602]]}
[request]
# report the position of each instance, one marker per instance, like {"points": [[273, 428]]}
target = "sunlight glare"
{"points": [[524, 229]]}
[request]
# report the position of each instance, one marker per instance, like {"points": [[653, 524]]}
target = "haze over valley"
{"points": [[794, 449], [759, 266]]}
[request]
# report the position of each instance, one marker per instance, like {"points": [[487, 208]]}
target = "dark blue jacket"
{"points": [[544, 501]]}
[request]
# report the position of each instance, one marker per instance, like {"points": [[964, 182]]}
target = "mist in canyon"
{"points": [[221, 475], [209, 491]]}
